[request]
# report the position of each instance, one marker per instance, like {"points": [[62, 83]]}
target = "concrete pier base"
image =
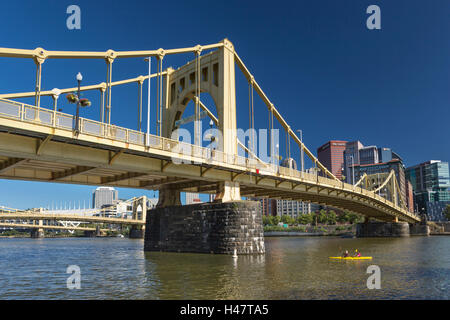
{"points": [[382, 229], [136, 233], [37, 233], [419, 229], [90, 234], [93, 233], [391, 229], [444, 225], [206, 228]]}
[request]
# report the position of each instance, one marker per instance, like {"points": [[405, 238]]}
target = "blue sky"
{"points": [[324, 70]]}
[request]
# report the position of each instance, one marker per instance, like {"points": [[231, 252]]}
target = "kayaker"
{"points": [[345, 255], [357, 253]]}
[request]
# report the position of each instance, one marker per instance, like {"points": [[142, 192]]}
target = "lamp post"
{"points": [[212, 138], [77, 117], [55, 95]]}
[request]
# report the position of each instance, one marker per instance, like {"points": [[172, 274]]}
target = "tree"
{"points": [[331, 217], [266, 220], [274, 220], [306, 218], [287, 219], [344, 217], [322, 218], [355, 218], [447, 212]]}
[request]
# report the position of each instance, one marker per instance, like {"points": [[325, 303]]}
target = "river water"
{"points": [[292, 268]]}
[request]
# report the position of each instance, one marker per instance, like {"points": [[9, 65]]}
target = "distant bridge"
{"points": [[72, 222]]}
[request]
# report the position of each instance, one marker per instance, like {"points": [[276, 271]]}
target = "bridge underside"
{"points": [[48, 154]]}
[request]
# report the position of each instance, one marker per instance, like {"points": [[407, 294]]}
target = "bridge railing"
{"points": [[32, 114], [28, 113]]}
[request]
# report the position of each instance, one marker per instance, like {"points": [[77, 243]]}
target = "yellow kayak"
{"points": [[352, 258]]}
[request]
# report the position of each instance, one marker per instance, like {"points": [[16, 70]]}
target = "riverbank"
{"points": [[439, 228], [347, 230]]}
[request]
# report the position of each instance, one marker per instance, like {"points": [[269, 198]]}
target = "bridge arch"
{"points": [[185, 113], [212, 73]]}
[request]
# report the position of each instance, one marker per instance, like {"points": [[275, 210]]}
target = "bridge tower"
{"points": [[228, 225], [212, 73], [137, 232]]}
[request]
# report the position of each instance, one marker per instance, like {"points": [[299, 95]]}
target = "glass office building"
{"points": [[368, 155], [351, 156], [431, 183]]}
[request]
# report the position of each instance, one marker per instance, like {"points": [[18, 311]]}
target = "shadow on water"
{"points": [[202, 276]]}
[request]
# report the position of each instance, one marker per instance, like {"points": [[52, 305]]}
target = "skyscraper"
{"points": [[431, 182], [331, 155], [104, 196], [409, 196], [351, 156], [368, 155], [355, 153]]}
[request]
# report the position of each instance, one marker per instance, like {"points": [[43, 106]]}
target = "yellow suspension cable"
{"points": [[160, 94], [157, 97]]}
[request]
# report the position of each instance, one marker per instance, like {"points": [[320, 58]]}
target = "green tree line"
{"points": [[314, 218]]}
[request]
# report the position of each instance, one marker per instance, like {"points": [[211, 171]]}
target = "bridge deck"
{"points": [[40, 145]]}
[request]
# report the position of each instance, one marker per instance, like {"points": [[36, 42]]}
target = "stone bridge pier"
{"points": [[38, 232], [93, 233], [391, 229], [215, 227]]}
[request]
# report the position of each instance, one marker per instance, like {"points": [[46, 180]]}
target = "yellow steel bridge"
{"points": [[41, 144]]}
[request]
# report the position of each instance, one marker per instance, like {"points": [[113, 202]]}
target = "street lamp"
{"points": [[77, 118], [212, 138], [55, 95]]}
